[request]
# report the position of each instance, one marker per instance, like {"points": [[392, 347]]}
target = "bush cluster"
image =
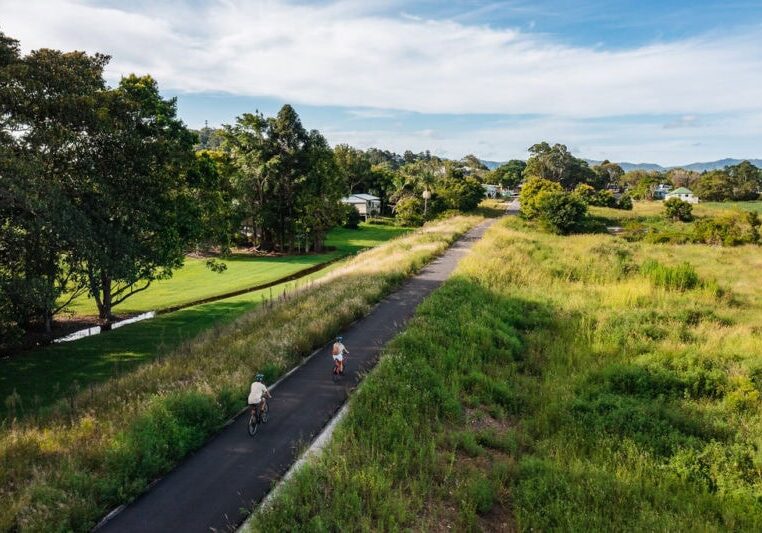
{"points": [[729, 229], [602, 198], [350, 217], [556, 210], [732, 228], [679, 210]]}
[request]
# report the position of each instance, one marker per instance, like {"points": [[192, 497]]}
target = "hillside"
{"points": [[698, 167]]}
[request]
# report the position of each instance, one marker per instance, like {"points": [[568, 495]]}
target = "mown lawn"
{"points": [[195, 281], [65, 466], [59, 370], [580, 383]]}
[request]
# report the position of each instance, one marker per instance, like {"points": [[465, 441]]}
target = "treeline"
{"points": [[741, 182], [556, 163], [100, 191], [104, 190], [557, 188], [412, 187]]}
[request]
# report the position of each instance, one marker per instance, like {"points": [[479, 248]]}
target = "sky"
{"points": [[668, 82]]}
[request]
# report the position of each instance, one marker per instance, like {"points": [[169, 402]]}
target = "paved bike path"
{"points": [[210, 489]]}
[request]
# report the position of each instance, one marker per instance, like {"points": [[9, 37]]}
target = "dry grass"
{"points": [[554, 383]]}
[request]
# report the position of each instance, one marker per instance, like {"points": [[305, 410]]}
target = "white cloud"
{"points": [[642, 141], [343, 54], [373, 113]]}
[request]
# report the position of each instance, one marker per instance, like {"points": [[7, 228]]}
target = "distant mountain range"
{"points": [[698, 167]]}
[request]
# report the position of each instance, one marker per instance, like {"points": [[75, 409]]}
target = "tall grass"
{"points": [[557, 383], [681, 277], [94, 450]]}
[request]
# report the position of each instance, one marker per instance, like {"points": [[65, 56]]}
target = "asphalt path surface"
{"points": [[212, 489]]}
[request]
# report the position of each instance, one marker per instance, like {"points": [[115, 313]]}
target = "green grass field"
{"points": [[195, 282], [580, 383], [743, 206], [65, 466], [58, 370], [655, 209]]}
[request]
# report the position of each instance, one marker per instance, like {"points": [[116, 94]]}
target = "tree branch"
{"points": [[115, 302]]}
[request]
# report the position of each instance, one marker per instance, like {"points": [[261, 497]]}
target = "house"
{"points": [[660, 191], [686, 195], [491, 191], [366, 204]]}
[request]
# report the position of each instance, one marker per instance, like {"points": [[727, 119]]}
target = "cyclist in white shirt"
{"points": [[258, 393], [338, 352]]}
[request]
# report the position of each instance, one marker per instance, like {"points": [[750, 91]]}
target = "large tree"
{"points": [[606, 173], [47, 107], [355, 168], [278, 166], [508, 174], [557, 164], [737, 182], [135, 197], [320, 193]]}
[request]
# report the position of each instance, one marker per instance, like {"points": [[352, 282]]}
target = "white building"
{"points": [[491, 191], [366, 204], [686, 195]]}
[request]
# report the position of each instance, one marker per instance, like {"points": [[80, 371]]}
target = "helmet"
{"points": [[259, 377], [339, 338]]}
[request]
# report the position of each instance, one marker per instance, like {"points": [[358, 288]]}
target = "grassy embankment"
{"points": [[40, 376], [577, 383], [63, 470]]}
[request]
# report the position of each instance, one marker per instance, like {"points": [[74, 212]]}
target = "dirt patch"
{"points": [[480, 420], [499, 518]]}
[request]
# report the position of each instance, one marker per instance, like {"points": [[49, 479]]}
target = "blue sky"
{"points": [[665, 82]]}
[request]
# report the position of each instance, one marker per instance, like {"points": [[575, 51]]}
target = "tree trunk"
{"points": [[105, 307], [318, 240]]}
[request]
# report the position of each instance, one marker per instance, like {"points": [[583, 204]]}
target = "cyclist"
{"points": [[257, 395], [338, 352]]}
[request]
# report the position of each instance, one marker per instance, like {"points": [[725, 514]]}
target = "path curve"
{"points": [[211, 489]]}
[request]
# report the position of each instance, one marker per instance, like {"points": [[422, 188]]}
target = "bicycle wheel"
{"points": [[253, 425], [266, 413]]}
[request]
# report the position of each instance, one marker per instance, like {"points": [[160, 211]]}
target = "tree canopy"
{"points": [[556, 163], [99, 188], [287, 179]]}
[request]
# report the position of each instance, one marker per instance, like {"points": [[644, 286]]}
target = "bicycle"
{"points": [[255, 420], [338, 368]]}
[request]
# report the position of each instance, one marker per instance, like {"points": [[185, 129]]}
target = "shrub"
{"points": [[350, 217], [605, 199], [625, 202], [531, 192], [561, 212], [677, 209], [752, 218], [586, 193], [409, 211], [481, 493], [729, 229], [462, 194]]}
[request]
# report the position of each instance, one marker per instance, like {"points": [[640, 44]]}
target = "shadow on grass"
{"points": [[50, 373]]}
